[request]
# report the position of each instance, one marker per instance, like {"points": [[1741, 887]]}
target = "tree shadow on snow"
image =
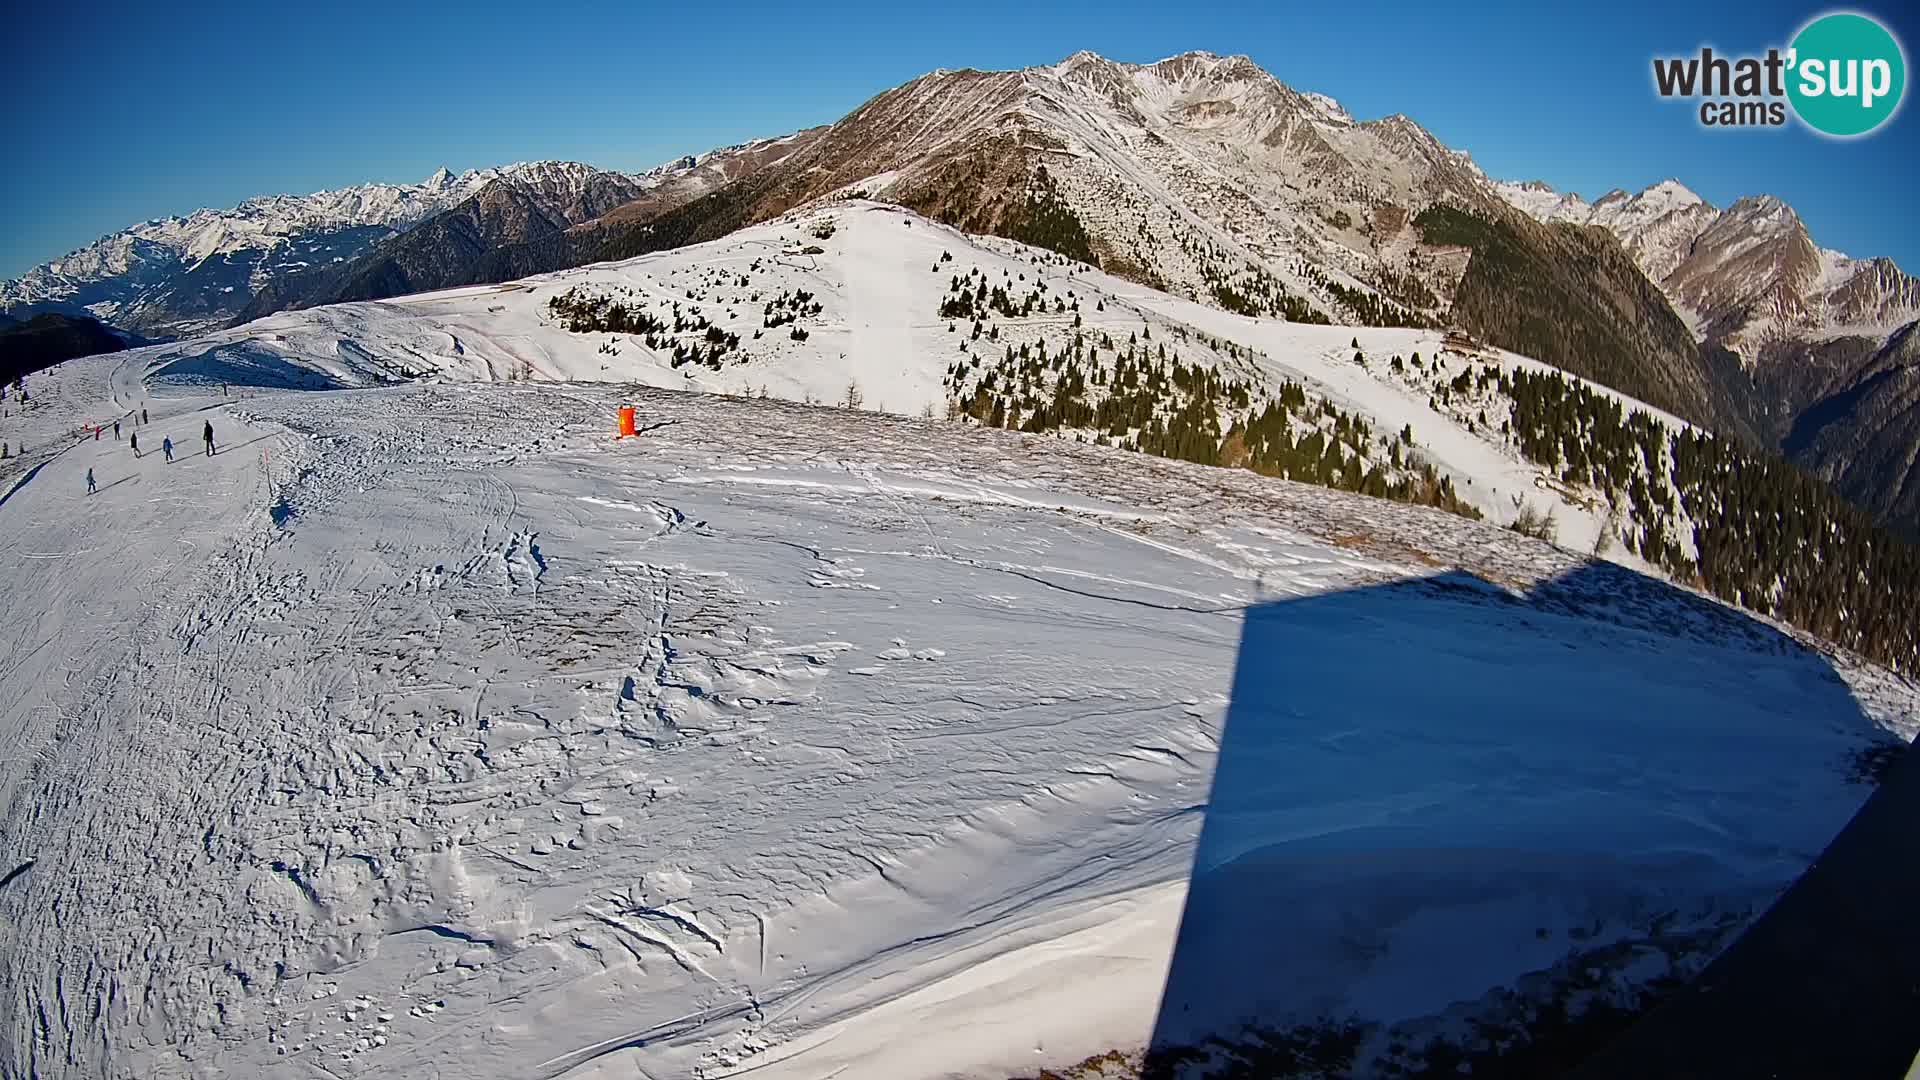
{"points": [[1454, 829]]}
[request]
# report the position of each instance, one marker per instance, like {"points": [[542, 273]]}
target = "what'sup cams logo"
{"points": [[1844, 75]]}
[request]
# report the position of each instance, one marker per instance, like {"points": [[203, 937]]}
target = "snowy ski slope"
{"points": [[879, 279], [428, 731]]}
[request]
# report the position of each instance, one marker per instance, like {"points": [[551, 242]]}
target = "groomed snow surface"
{"points": [[427, 730]]}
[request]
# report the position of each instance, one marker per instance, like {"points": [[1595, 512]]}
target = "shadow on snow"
{"points": [[1455, 829], [240, 365]]}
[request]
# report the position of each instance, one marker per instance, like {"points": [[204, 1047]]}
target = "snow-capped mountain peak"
{"points": [[1538, 199], [187, 273], [1743, 276], [1672, 192], [1619, 209], [1764, 212], [1080, 59], [1645, 210], [1329, 108]]}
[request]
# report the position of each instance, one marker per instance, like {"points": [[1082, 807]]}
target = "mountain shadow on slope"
{"points": [[47, 339], [244, 364], [1856, 420], [1527, 792]]}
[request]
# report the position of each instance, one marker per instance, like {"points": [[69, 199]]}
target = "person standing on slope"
{"points": [[90, 487], [207, 434], [166, 447], [133, 440], [116, 430]]}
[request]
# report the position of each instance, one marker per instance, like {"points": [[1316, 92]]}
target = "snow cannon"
{"points": [[626, 421]]}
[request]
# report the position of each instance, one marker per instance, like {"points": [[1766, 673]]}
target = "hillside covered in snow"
{"points": [[426, 729], [909, 317], [862, 302]]}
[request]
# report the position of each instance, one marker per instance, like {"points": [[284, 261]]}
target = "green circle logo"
{"points": [[1847, 75]]}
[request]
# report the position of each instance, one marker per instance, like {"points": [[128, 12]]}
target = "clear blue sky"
{"points": [[123, 112]]}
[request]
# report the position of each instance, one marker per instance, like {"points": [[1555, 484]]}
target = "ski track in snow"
{"points": [[429, 731]]}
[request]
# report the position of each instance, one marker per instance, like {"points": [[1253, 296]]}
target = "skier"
{"points": [[96, 433], [134, 441], [207, 434], [166, 447], [143, 415], [116, 429], [90, 487]]}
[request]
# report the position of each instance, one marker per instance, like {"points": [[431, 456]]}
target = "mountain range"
{"points": [[177, 276], [181, 276], [1817, 348], [1200, 175]]}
